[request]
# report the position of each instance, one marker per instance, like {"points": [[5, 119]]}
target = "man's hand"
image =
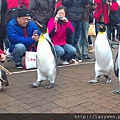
{"points": [[35, 37]]}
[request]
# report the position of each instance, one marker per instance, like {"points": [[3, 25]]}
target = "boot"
{"points": [[90, 49]]}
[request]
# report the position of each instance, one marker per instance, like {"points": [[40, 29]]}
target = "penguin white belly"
{"points": [[103, 71], [103, 53], [45, 59]]}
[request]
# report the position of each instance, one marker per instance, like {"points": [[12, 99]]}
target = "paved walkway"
{"points": [[72, 92]]}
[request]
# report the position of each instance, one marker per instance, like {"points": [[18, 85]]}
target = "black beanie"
{"points": [[22, 12]]}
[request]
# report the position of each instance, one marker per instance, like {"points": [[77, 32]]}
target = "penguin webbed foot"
{"points": [[51, 85], [95, 80], [108, 79], [6, 83], [36, 84], [4, 77]]}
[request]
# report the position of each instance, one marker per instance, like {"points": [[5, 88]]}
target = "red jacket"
{"points": [[14, 3], [1, 52], [58, 32], [99, 9]]}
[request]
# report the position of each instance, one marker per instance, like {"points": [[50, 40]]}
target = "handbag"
{"points": [[30, 59], [91, 30], [10, 14]]}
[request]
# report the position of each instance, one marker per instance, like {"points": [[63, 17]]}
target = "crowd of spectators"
{"points": [[67, 22]]}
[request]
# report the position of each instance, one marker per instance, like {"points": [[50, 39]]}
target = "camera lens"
{"points": [[59, 18]]}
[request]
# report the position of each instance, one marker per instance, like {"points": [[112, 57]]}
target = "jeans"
{"points": [[65, 52], [83, 42], [96, 27], [18, 53], [74, 37]]}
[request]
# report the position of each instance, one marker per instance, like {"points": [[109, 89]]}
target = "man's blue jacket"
{"points": [[16, 34]]}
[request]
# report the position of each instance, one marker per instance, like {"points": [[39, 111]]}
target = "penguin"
{"points": [[117, 70], [103, 55], [3, 76], [46, 60]]}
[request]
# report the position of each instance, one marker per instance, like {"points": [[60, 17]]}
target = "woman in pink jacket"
{"points": [[58, 28]]}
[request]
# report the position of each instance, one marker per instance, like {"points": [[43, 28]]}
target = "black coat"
{"points": [[41, 10], [74, 9], [4, 8]]}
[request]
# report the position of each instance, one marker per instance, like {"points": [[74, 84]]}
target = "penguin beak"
{"points": [[4, 69]]}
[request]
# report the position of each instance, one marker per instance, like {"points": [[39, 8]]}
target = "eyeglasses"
{"points": [[25, 19]]}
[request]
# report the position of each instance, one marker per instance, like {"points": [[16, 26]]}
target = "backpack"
{"points": [[114, 17], [10, 14]]}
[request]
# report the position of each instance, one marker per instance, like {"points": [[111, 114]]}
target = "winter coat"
{"points": [[4, 9], [58, 32], [74, 9], [14, 3], [2, 23], [42, 10], [16, 33], [99, 10]]}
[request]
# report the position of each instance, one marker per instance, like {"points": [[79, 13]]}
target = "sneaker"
{"points": [[73, 61], [8, 54], [88, 58], [19, 66], [79, 60], [65, 62]]}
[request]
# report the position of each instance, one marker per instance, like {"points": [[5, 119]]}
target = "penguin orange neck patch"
{"points": [[101, 33], [41, 39]]}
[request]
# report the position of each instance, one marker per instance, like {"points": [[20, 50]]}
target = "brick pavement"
{"points": [[72, 92]]}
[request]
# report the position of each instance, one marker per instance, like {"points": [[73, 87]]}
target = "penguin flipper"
{"points": [[46, 36]]}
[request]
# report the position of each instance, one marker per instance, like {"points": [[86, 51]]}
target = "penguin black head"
{"points": [[102, 28], [43, 27]]}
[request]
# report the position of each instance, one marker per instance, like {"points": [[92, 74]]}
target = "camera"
{"points": [[60, 18], [91, 4]]}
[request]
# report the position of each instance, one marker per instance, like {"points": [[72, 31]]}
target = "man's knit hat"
{"points": [[22, 12]]}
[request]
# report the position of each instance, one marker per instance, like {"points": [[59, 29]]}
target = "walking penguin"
{"points": [[103, 55], [46, 60]]}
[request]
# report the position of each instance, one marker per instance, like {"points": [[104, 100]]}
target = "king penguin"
{"points": [[3, 76], [103, 55], [46, 60]]}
